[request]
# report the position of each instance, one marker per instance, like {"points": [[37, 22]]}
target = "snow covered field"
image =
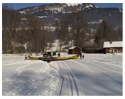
{"points": [[96, 74]]}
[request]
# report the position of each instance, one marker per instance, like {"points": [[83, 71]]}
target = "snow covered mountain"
{"points": [[93, 14], [58, 8]]}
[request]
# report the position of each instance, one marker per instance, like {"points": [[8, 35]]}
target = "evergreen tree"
{"points": [[104, 33]]}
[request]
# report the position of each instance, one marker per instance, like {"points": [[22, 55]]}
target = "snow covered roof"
{"points": [[48, 50], [112, 44], [73, 47], [73, 4]]}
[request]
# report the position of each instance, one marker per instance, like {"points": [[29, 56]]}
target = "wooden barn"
{"points": [[113, 47], [74, 50]]}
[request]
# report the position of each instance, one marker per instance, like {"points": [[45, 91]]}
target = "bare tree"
{"points": [[72, 28], [78, 27], [35, 33], [10, 25], [61, 31]]}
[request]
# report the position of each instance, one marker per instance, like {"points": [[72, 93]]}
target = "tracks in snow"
{"points": [[23, 86], [39, 79], [61, 77], [73, 85], [69, 85]]}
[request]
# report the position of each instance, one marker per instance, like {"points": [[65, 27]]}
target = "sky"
{"points": [[16, 6]]}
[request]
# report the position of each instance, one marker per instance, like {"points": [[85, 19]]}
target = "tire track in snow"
{"points": [[41, 71], [41, 82], [61, 77], [53, 81], [73, 85], [109, 79]]}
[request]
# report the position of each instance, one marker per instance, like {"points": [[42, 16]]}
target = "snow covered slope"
{"points": [[96, 74]]}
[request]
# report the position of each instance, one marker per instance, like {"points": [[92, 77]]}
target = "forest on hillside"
{"points": [[20, 35]]}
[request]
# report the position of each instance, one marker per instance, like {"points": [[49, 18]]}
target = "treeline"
{"points": [[74, 28], [20, 35]]}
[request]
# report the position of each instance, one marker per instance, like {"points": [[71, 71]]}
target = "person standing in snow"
{"points": [[80, 54], [83, 56], [25, 57], [58, 54]]}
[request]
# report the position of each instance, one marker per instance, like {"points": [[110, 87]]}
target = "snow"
{"points": [[23, 19], [55, 9], [113, 44], [23, 12], [87, 6], [72, 47], [41, 16], [25, 77], [95, 22], [51, 28], [91, 5], [120, 10], [96, 6], [96, 74], [73, 4], [55, 45]]}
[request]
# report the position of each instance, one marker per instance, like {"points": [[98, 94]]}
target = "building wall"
{"points": [[70, 51], [113, 50], [74, 51]]}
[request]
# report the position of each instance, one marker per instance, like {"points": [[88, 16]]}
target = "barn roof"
{"points": [[73, 47], [112, 44]]}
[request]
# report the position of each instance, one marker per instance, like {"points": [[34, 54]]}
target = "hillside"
{"points": [[93, 14], [87, 26]]}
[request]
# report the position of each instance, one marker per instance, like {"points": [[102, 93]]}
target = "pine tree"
{"points": [[105, 32]]}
